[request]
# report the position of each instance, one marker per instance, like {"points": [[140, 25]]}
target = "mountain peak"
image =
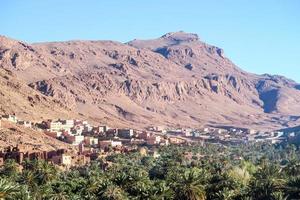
{"points": [[4, 41], [173, 79], [180, 36], [168, 39]]}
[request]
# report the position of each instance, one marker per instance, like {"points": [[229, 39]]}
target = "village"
{"points": [[94, 142]]}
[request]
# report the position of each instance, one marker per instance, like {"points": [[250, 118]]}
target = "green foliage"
{"points": [[210, 172], [8, 189]]}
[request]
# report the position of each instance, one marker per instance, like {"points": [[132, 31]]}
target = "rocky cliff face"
{"points": [[174, 80]]}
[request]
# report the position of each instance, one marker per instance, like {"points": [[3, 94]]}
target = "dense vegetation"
{"points": [[257, 172]]}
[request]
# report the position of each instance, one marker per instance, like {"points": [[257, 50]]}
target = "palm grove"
{"points": [[252, 172]]}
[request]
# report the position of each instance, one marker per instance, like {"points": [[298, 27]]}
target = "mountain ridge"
{"points": [[175, 80]]}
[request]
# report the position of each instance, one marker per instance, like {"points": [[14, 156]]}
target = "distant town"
{"points": [[93, 142]]}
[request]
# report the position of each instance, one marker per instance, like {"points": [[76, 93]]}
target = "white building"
{"points": [[25, 123], [63, 159], [10, 118], [91, 141], [74, 139], [109, 143]]}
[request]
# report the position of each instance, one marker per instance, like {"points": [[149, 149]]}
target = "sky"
{"points": [[260, 36]]}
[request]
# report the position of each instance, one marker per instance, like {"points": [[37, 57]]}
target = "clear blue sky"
{"points": [[260, 36]]}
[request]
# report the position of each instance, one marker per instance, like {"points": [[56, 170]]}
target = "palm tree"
{"points": [[41, 192], [249, 166], [226, 185], [190, 186], [29, 178], [10, 169], [266, 181], [92, 188], [46, 172], [292, 188], [8, 189], [241, 175], [121, 178], [58, 196], [162, 191], [292, 168], [279, 196], [112, 192], [23, 194], [78, 197], [225, 194], [136, 182]]}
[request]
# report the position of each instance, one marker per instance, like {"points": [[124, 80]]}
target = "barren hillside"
{"points": [[175, 80], [12, 135]]}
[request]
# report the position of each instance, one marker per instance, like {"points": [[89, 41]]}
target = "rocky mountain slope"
{"points": [[12, 135], [175, 80]]}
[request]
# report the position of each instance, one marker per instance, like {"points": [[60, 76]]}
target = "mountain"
{"points": [[12, 134], [175, 80]]}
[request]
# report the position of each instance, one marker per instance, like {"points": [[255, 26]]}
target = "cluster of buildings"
{"points": [[90, 142], [14, 119], [76, 132], [231, 136], [61, 157], [93, 142]]}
